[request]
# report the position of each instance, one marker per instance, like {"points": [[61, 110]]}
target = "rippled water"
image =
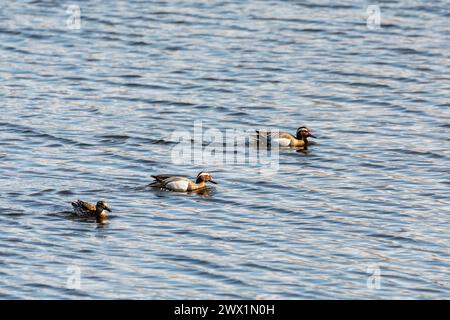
{"points": [[90, 113]]}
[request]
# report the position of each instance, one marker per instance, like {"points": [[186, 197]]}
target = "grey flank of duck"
{"points": [[285, 139], [182, 184], [89, 210]]}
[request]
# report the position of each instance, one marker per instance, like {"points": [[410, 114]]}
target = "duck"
{"points": [[182, 184], [285, 139], [89, 210]]}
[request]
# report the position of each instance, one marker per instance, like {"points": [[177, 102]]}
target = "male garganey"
{"points": [[284, 139], [89, 210], [182, 184]]}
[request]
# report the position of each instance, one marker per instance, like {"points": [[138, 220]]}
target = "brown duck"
{"points": [[89, 210]]}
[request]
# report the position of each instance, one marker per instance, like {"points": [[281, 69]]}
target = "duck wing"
{"points": [[83, 208], [162, 177], [176, 183], [281, 138], [176, 178], [86, 205]]}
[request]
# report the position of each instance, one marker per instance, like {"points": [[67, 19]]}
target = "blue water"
{"points": [[90, 113]]}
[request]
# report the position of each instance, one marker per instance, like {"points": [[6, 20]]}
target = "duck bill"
{"points": [[212, 181], [312, 136], [108, 209]]}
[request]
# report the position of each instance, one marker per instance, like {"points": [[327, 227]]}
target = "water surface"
{"points": [[90, 113]]}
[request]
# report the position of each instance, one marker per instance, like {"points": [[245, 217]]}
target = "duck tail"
{"points": [[158, 178], [155, 183]]}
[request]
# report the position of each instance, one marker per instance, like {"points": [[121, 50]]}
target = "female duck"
{"points": [[182, 184], [284, 139], [89, 210]]}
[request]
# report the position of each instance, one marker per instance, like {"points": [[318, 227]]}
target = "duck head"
{"points": [[204, 177], [303, 133], [101, 206]]}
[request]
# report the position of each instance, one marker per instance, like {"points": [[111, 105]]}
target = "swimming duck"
{"points": [[182, 184], [90, 210], [284, 139]]}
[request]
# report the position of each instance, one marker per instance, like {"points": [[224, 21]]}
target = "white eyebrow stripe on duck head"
{"points": [[203, 173]]}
